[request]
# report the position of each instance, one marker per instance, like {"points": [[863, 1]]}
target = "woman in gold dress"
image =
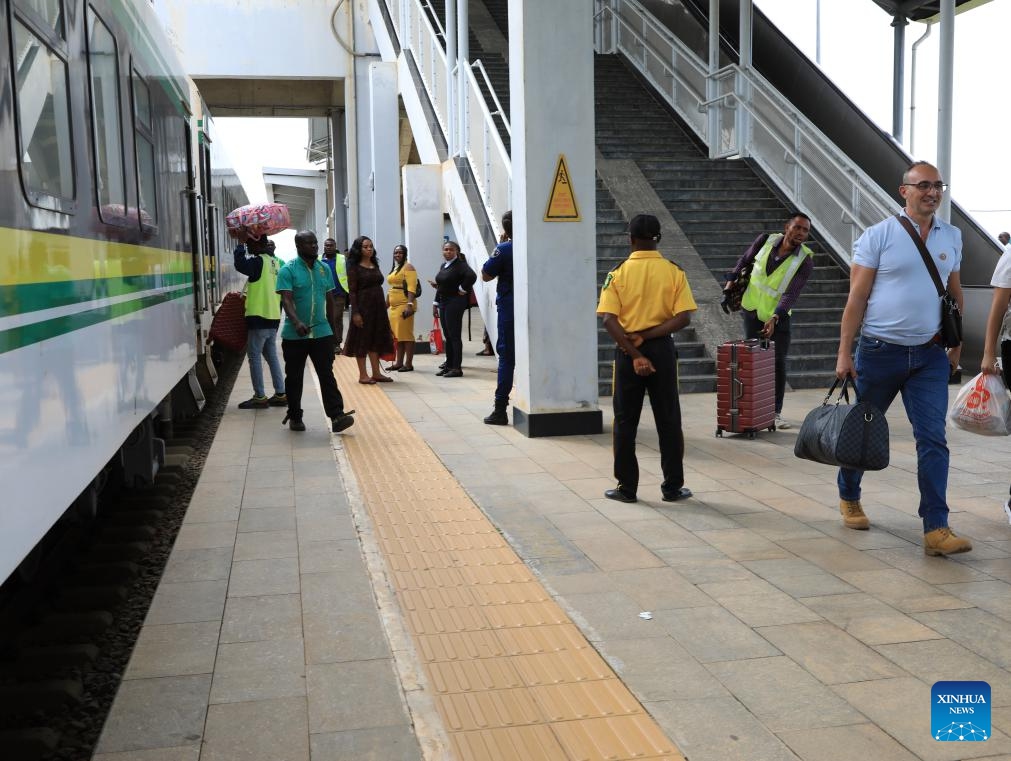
{"points": [[401, 299]]}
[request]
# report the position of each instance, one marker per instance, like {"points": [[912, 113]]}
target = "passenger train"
{"points": [[112, 197]]}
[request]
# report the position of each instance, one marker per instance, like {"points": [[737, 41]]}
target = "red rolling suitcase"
{"points": [[745, 387]]}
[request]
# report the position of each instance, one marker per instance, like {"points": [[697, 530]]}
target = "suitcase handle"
{"points": [[738, 391]]}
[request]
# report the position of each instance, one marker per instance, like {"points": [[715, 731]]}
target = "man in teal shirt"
{"points": [[306, 288]]}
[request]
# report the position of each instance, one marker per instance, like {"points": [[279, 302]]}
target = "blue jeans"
{"points": [[505, 347], [920, 374], [262, 343]]}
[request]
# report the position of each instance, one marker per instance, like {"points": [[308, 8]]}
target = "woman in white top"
{"points": [[998, 329]]}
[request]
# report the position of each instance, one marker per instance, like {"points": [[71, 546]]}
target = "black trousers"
{"points": [[451, 315], [629, 391], [781, 338], [337, 321], [320, 351]]}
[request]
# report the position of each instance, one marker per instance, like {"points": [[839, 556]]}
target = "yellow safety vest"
{"points": [[764, 291], [341, 268], [261, 296]]}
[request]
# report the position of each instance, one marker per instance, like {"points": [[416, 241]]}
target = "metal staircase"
{"points": [[721, 205]]}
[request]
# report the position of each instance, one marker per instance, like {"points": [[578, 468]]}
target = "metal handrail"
{"points": [[434, 15], [864, 191], [498, 104], [839, 160], [479, 138], [662, 31]]}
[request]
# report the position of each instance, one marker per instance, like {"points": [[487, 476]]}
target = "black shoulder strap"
{"points": [[922, 248]]}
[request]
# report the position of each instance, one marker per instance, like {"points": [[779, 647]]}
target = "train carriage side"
{"points": [[97, 285]]}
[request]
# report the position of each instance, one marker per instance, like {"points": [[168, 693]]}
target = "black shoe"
{"points": [[676, 496], [256, 403], [499, 416], [619, 496], [443, 371], [456, 373], [294, 423], [278, 400], [342, 422], [444, 366]]}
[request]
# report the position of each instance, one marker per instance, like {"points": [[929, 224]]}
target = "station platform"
{"points": [[427, 586]]}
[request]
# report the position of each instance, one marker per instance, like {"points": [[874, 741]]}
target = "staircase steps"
{"points": [[499, 10], [721, 205]]}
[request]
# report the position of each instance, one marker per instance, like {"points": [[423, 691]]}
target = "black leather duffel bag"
{"points": [[845, 435]]}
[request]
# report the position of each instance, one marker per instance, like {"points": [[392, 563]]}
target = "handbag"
{"points": [[951, 315], [846, 435], [435, 337], [733, 295], [417, 288], [228, 327]]}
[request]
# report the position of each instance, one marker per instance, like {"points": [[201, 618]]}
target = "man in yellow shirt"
{"points": [[644, 300]]}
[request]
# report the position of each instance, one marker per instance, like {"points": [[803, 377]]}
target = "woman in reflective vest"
{"points": [[780, 267]]}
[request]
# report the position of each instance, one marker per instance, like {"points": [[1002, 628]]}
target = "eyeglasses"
{"points": [[924, 186]]}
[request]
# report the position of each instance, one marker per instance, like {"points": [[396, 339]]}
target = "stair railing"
{"points": [[476, 132], [499, 111], [750, 119]]}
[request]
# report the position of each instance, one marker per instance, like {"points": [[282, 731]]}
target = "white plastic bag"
{"points": [[982, 406]]}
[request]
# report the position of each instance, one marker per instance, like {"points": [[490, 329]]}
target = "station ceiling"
{"points": [[229, 96], [924, 10]]}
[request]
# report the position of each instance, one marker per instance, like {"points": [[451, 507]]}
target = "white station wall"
{"points": [[258, 39]]}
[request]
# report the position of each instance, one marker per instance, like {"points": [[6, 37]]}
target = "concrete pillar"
{"points": [[423, 231], [551, 85], [359, 142], [384, 112], [339, 178]]}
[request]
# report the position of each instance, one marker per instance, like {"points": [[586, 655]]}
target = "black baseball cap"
{"points": [[644, 227]]}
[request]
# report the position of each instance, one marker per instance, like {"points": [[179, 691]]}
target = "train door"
{"points": [[189, 222], [211, 221]]}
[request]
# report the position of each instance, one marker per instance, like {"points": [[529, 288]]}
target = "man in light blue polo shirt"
{"points": [[306, 288], [894, 304]]}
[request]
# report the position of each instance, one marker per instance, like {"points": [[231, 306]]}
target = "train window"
{"points": [[142, 101], [49, 13], [144, 142], [105, 114], [43, 119]]}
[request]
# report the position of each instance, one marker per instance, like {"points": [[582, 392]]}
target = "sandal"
{"points": [[366, 382], [393, 368], [381, 379], [486, 353], [406, 369]]}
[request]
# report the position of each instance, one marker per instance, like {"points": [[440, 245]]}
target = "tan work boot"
{"points": [[942, 541], [853, 515]]}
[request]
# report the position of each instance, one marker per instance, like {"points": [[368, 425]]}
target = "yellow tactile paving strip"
{"points": [[512, 677]]}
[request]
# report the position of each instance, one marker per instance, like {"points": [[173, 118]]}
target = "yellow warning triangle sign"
{"points": [[562, 201]]}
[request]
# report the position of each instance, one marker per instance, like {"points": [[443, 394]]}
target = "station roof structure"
{"points": [[924, 10]]}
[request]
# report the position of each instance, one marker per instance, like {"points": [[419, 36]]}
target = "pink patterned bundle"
{"points": [[259, 219]]}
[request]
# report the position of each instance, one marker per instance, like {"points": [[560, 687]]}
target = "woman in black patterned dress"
{"points": [[370, 334]]}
